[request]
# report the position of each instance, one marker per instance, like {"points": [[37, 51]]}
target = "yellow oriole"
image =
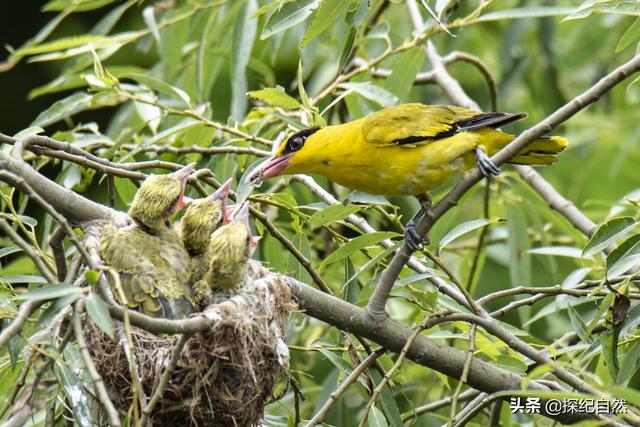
{"points": [[404, 150]]}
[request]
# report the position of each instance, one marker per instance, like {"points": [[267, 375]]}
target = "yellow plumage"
{"points": [[404, 150]]}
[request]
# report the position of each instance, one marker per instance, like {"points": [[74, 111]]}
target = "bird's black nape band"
{"points": [[297, 140]]}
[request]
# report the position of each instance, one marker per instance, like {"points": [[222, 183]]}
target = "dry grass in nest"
{"points": [[224, 376]]}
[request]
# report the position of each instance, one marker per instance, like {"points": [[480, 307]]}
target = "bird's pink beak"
{"points": [[274, 166], [183, 174], [223, 191], [242, 215]]}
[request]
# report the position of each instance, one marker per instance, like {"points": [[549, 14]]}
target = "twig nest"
{"points": [[225, 376]]}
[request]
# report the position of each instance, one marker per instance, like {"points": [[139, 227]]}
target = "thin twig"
{"points": [[101, 390], [350, 379], [465, 373]]}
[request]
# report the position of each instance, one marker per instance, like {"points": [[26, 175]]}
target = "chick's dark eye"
{"points": [[296, 143]]}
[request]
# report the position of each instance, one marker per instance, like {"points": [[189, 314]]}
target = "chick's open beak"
{"points": [[274, 166], [183, 174], [223, 192]]}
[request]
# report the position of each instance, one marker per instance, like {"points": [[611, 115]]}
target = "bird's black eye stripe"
{"points": [[297, 140]]}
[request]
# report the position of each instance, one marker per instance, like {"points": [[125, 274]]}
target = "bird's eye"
{"points": [[296, 143]]}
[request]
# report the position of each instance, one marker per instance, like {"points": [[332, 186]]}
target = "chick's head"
{"points": [[203, 217], [159, 197]]}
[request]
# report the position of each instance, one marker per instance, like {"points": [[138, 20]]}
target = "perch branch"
{"points": [[376, 305]]}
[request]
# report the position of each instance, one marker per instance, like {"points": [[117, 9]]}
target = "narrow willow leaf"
{"points": [[125, 189], [50, 292], [607, 234], [182, 126], [9, 250], [291, 13], [347, 47], [404, 73], [526, 12], [625, 256], [159, 85], [464, 228], [149, 16], [566, 251], [79, 398], [325, 16], [66, 43], [62, 109], [244, 34], [371, 92], [630, 364], [24, 278], [376, 418], [275, 96], [357, 244], [75, 6], [99, 313], [607, 339], [31, 130], [330, 214], [632, 34]]}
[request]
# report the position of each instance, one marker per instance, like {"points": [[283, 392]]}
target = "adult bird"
{"points": [[152, 263], [229, 251], [201, 218], [404, 150]]}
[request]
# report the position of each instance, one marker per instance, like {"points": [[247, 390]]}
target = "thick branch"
{"points": [[71, 205], [392, 336]]}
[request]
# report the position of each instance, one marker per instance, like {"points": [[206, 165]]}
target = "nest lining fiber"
{"points": [[224, 376]]}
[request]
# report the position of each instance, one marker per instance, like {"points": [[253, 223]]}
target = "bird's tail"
{"points": [[541, 152]]}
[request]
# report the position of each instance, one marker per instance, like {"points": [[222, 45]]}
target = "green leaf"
{"points": [[629, 7], [373, 261], [578, 323], [387, 400], [290, 14], [79, 400], [404, 73], [357, 244], [31, 130], [359, 197], [607, 234], [464, 228], [24, 278], [347, 47], [275, 96], [518, 244], [566, 251], [525, 12], [371, 92], [294, 267], [376, 418], [325, 16], [244, 34], [126, 190], [62, 109], [330, 214], [607, 339], [625, 256], [159, 85], [66, 43], [629, 36], [75, 5], [9, 250], [49, 292], [99, 313], [55, 308], [630, 364]]}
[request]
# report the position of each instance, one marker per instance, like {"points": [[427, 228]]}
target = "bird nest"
{"points": [[224, 376]]}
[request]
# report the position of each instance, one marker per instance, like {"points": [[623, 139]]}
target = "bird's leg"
{"points": [[486, 166], [411, 237]]}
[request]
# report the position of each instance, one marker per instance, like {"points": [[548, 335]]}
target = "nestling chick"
{"points": [[229, 250], [203, 217], [200, 220], [152, 263]]}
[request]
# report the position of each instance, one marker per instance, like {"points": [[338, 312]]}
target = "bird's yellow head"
{"points": [[203, 217], [293, 155], [159, 197]]}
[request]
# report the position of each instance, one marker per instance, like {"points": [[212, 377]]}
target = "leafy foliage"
{"points": [[217, 82]]}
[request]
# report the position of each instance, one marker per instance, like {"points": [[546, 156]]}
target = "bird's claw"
{"points": [[486, 166], [412, 239]]}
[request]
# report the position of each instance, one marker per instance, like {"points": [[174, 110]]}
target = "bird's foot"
{"points": [[412, 239], [486, 166]]}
